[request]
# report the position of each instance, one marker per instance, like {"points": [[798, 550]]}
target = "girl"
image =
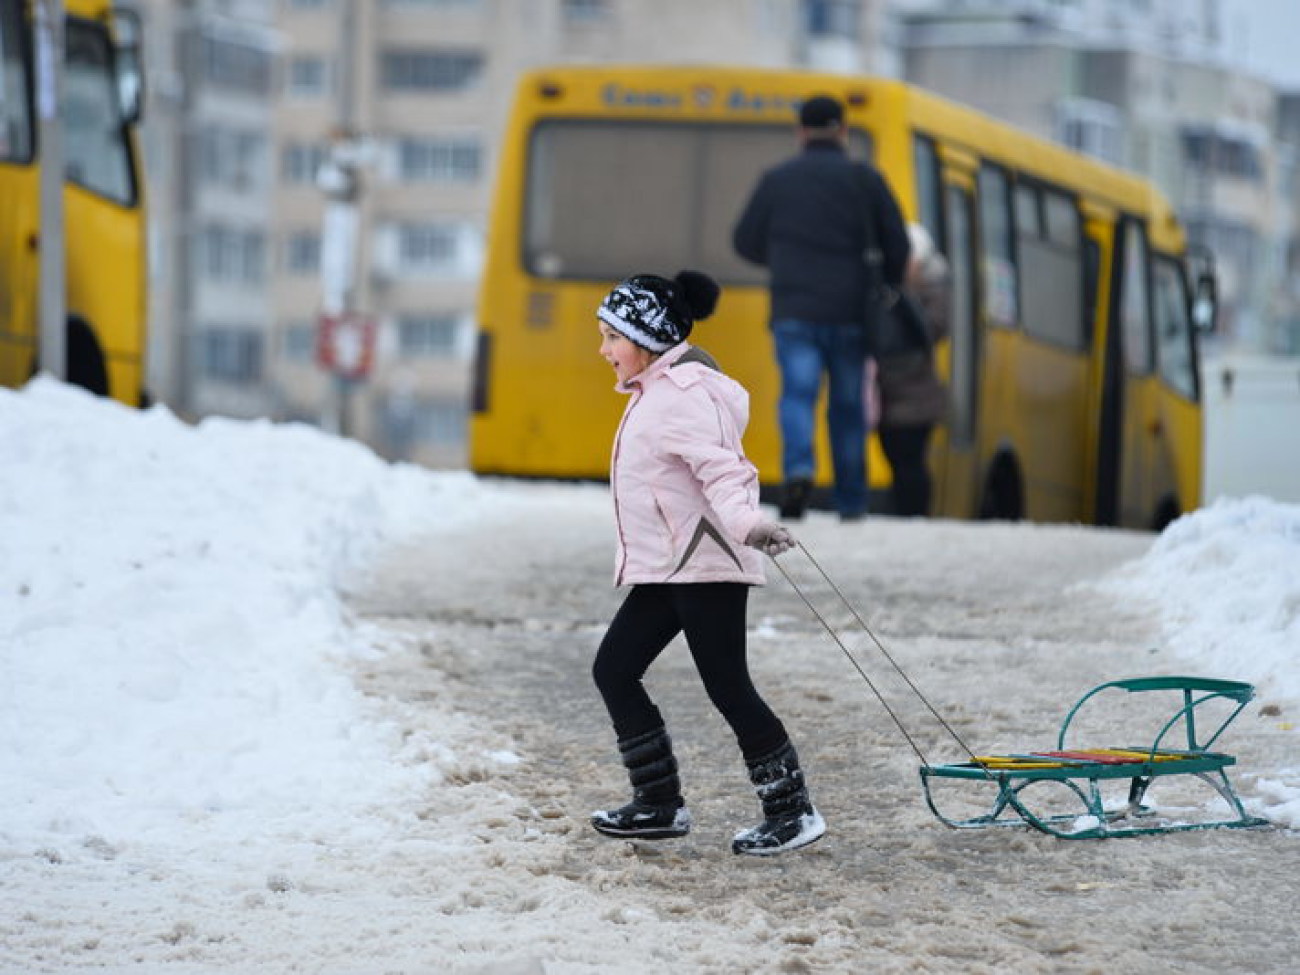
{"points": [[685, 506]]}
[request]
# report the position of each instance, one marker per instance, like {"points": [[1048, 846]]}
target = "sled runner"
{"points": [[1071, 778]]}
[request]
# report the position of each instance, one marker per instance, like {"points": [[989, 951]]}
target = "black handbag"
{"points": [[901, 328]]}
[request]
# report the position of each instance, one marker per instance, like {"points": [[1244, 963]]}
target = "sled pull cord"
{"points": [[881, 647]]}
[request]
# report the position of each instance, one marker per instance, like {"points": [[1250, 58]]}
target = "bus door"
{"points": [[1130, 445], [1177, 470], [1100, 469], [955, 457]]}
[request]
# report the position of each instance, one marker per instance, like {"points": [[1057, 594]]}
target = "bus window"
{"points": [[1029, 221], [1134, 321], [731, 160], [98, 156], [997, 247], [929, 198], [16, 134], [603, 197], [1174, 351], [1051, 266]]}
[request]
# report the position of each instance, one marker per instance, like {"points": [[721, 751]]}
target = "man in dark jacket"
{"points": [[812, 221]]}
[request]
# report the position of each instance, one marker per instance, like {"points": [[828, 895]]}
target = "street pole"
{"points": [[339, 180], [49, 99]]}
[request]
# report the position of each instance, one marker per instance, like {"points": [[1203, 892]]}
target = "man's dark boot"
{"points": [[789, 819], [794, 500], [657, 810]]}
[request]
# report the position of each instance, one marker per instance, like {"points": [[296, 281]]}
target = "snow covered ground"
{"points": [[270, 704]]}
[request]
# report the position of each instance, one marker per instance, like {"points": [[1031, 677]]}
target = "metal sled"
{"points": [[1074, 776]]}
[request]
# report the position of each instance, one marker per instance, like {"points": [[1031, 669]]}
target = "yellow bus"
{"points": [[104, 222], [1072, 360]]}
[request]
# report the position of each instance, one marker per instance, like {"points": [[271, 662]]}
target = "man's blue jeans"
{"points": [[804, 351]]}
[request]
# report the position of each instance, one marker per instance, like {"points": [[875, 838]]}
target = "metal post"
{"points": [[338, 179], [49, 99]]}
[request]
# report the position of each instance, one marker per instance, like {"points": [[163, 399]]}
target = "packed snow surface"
{"points": [[211, 759]]}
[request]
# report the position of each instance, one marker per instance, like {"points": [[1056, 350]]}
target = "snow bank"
{"points": [[171, 637]]}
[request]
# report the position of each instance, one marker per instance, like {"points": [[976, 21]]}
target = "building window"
{"points": [[585, 11], [231, 157], [307, 76], [310, 4], [236, 67], [448, 249], [298, 341], [301, 161], [434, 335], [439, 160], [302, 252], [426, 245], [832, 18], [1227, 154], [1093, 127], [231, 354], [231, 254], [403, 69], [407, 420]]}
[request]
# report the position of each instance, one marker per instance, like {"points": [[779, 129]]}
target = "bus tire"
{"points": [[1003, 496], [87, 366]]}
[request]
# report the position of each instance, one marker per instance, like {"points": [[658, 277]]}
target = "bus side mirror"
{"points": [[128, 63], [1205, 302]]}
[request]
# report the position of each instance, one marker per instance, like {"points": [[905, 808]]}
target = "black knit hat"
{"points": [[657, 313], [820, 112]]}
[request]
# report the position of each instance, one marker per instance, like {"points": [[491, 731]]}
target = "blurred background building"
{"points": [[250, 99]]}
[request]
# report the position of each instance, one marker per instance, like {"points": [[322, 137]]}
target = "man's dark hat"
{"points": [[820, 112]]}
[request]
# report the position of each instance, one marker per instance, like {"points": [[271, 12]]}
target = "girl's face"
{"points": [[627, 358]]}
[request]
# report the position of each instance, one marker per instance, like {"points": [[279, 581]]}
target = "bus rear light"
{"points": [[549, 89]]}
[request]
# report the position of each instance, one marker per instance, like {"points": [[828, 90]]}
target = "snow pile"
{"points": [[1227, 581], [171, 634]]}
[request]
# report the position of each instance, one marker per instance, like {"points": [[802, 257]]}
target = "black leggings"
{"points": [[712, 615], [905, 449]]}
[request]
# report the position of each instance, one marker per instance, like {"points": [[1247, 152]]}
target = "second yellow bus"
{"points": [[1072, 361]]}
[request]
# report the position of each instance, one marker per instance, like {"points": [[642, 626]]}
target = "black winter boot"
{"points": [[657, 810], [789, 819]]}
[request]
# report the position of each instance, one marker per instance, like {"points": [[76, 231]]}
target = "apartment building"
{"points": [[207, 143], [411, 96], [1144, 85]]}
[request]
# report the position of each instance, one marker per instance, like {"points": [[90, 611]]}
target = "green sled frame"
{"points": [[1081, 771]]}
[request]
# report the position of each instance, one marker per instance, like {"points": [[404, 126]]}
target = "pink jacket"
{"points": [[685, 497]]}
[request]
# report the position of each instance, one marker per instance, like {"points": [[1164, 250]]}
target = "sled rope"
{"points": [[879, 646]]}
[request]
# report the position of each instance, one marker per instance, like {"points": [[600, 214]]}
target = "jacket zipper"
{"points": [[613, 485]]}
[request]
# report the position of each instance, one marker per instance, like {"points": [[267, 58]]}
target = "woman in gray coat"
{"points": [[912, 396]]}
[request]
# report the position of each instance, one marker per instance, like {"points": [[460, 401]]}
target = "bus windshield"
{"points": [[95, 138], [604, 197]]}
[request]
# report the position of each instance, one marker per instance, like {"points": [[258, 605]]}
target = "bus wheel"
{"points": [[1003, 498], [1166, 511], [86, 365]]}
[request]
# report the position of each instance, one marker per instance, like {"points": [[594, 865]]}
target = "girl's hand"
{"points": [[770, 537]]}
